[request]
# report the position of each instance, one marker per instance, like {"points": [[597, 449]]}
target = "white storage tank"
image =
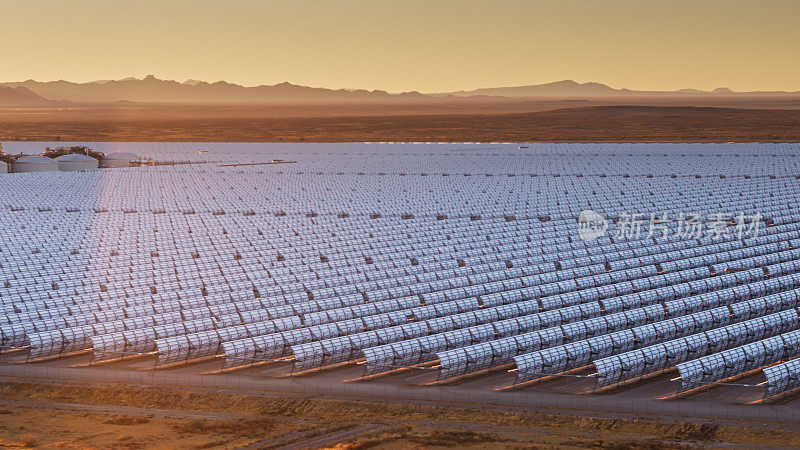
{"points": [[3, 167], [34, 164], [75, 163], [119, 159]]}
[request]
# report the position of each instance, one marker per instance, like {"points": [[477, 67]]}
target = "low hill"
{"points": [[558, 89], [21, 96]]}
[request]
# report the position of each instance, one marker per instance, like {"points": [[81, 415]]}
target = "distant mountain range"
{"points": [[572, 89], [153, 90], [21, 96]]}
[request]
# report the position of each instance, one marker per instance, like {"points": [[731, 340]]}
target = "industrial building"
{"points": [[74, 162], [33, 163], [118, 159]]}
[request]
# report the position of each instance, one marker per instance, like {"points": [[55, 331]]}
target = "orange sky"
{"points": [[433, 45]]}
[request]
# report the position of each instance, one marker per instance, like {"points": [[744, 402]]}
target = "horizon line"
{"points": [[186, 82]]}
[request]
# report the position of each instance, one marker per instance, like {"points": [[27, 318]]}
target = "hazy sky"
{"points": [[398, 45]]}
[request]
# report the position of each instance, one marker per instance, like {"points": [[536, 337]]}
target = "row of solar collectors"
{"points": [[267, 225], [565, 274], [311, 253], [634, 353], [351, 224], [125, 193], [193, 256], [191, 261], [298, 289], [511, 168], [190, 264], [305, 297], [586, 162], [742, 360], [504, 167], [357, 299], [460, 357], [69, 342], [782, 377], [682, 352], [512, 162], [266, 151], [504, 274], [315, 231], [542, 292], [328, 153], [631, 203], [516, 194], [420, 241], [490, 300], [553, 347]]}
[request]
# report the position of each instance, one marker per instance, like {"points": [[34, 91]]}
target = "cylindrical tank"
{"points": [[75, 162], [119, 159], [34, 164], [3, 167]]}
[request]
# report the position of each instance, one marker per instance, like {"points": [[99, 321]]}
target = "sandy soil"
{"points": [[50, 427], [114, 416], [590, 124]]}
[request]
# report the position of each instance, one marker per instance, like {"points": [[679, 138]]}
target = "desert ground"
{"points": [[63, 415], [556, 121]]}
